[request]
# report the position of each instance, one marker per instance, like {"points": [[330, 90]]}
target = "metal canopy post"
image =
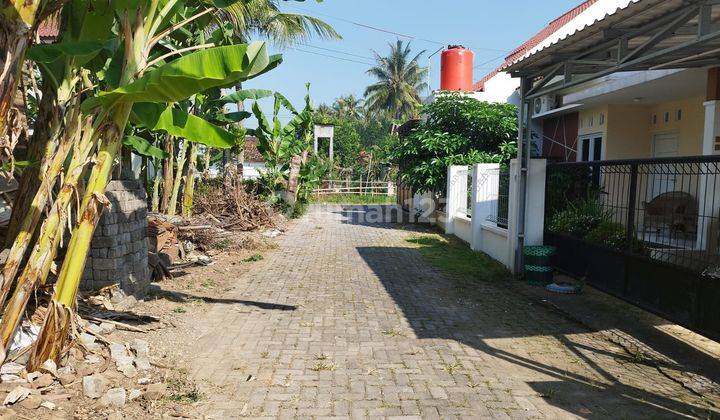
{"points": [[523, 163]]}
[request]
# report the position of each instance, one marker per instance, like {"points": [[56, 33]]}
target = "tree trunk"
{"points": [[172, 207], [167, 173], [55, 330], [206, 163], [16, 23], [41, 148], [155, 205], [189, 193]]}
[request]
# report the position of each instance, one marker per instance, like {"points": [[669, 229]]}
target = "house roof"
{"points": [[49, 28], [533, 42], [252, 154]]}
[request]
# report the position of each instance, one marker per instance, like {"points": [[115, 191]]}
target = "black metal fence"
{"points": [[664, 209], [645, 230]]}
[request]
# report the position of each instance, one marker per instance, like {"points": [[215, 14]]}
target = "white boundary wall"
{"points": [[478, 231]]}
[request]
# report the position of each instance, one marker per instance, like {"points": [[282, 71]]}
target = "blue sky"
{"points": [[491, 28]]}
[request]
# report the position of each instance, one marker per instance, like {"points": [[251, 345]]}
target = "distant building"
{"points": [[254, 163]]}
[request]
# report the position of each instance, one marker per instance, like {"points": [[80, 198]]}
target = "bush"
{"points": [[588, 220], [580, 218], [458, 131]]}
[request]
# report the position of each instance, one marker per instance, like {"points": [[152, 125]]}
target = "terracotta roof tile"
{"points": [[533, 42], [252, 154], [49, 28]]}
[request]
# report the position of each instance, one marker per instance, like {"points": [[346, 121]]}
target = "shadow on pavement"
{"points": [[487, 314]]}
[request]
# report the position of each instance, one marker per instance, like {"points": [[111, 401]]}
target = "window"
{"points": [[679, 114], [654, 119], [602, 119], [667, 117]]}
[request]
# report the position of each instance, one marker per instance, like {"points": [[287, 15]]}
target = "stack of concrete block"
{"points": [[119, 250]]}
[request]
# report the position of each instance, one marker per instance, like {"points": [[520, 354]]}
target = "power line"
{"points": [[339, 52], [387, 31], [332, 56]]}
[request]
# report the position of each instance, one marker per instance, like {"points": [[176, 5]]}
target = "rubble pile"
{"points": [[232, 208]]}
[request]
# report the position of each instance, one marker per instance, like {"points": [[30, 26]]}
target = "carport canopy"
{"points": [[623, 35]]}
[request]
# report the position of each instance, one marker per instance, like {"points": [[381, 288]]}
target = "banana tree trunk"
{"points": [[41, 148], [169, 146], [206, 163], [172, 207], [45, 249], [155, 205], [55, 330], [16, 24], [34, 212], [189, 192]]}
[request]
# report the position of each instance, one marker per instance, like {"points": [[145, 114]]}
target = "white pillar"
{"points": [[709, 189], [535, 206], [712, 127], [485, 188]]}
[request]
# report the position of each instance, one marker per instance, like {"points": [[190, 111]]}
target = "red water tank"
{"points": [[456, 69]]}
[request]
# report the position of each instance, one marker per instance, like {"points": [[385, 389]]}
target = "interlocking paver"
{"points": [[375, 331]]}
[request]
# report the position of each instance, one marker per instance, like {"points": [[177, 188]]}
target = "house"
{"points": [[254, 163], [642, 78]]}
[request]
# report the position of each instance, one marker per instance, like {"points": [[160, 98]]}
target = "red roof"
{"points": [[252, 154], [533, 42], [49, 28]]}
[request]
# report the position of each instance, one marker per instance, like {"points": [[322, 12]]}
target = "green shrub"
{"points": [[609, 234], [580, 218]]}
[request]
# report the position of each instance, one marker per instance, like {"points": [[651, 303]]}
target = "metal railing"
{"points": [[500, 185], [665, 209], [350, 187]]}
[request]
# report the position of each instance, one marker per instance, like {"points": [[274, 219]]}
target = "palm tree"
{"points": [[400, 81], [349, 107], [251, 18]]}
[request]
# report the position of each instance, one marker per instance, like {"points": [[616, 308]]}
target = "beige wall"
{"points": [[689, 127], [628, 135], [629, 129]]}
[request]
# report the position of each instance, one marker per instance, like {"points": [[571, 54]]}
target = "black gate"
{"points": [[647, 231]]}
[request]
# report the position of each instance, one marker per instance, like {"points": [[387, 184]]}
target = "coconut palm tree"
{"points": [[263, 18], [400, 79], [349, 107]]}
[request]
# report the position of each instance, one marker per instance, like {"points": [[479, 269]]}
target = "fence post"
{"points": [[632, 204]]}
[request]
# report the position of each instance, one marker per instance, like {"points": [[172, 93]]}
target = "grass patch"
{"points": [[223, 244], [254, 258], [354, 199], [454, 257], [179, 310]]}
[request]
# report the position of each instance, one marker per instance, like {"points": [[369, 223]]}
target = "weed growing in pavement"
{"points": [[451, 367], [320, 366], [392, 332], [179, 310]]}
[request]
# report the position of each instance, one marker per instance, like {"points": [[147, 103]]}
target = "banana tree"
{"points": [[19, 20], [144, 81]]}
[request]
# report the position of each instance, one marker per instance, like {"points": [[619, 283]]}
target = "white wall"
{"points": [[481, 234], [252, 170], [501, 88]]}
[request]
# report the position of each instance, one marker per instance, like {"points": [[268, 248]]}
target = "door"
{"points": [[664, 177]]}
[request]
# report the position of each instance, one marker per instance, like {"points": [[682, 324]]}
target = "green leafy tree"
{"points": [[457, 131], [400, 79]]}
